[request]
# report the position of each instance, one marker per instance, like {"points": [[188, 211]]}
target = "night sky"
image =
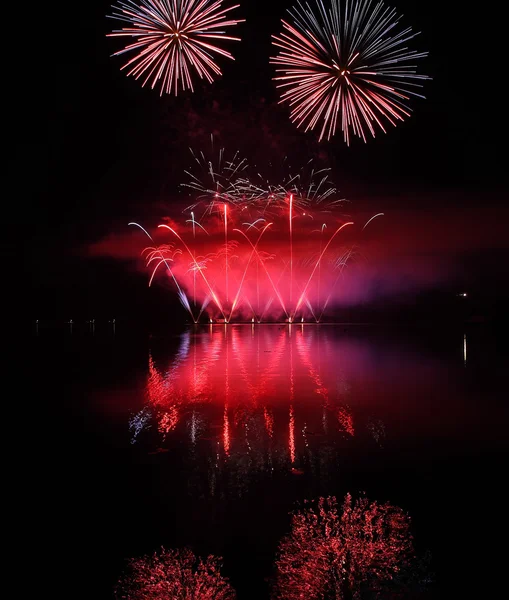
{"points": [[94, 150]]}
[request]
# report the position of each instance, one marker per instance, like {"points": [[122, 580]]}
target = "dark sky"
{"points": [[94, 150]]}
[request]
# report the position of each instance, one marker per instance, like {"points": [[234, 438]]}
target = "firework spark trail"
{"points": [[214, 297], [346, 62], [226, 250], [172, 38], [267, 273], [181, 293], [158, 254], [369, 220], [291, 249], [318, 262], [310, 306], [194, 270], [214, 176], [248, 263], [324, 226], [218, 180], [203, 306]]}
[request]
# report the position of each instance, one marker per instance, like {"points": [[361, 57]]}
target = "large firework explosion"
{"points": [[345, 65], [253, 251], [174, 39]]}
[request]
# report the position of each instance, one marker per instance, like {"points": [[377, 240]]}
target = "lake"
{"points": [[208, 437]]}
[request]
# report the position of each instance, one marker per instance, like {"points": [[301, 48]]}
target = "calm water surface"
{"points": [[208, 438]]}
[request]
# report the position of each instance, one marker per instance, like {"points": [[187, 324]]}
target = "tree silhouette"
{"points": [[342, 554], [174, 575]]}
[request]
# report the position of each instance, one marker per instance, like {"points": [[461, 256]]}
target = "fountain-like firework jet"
{"points": [[320, 266], [291, 249], [247, 265], [266, 272], [226, 250], [194, 270], [158, 254], [212, 293], [302, 296], [181, 293], [288, 270], [161, 261], [193, 221]]}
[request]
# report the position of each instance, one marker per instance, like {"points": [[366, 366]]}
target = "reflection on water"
{"points": [[231, 428], [257, 399], [362, 549], [169, 575]]}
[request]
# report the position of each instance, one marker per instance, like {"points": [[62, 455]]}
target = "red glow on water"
{"points": [[168, 420], [226, 431], [336, 551], [269, 421], [174, 574], [291, 435], [345, 419], [243, 386]]}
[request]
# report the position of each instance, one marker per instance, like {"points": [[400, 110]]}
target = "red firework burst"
{"points": [[173, 38], [345, 65]]}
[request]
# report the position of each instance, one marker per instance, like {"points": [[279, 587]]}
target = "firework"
{"points": [[174, 39], [249, 249], [213, 178], [345, 65], [232, 268], [216, 178]]}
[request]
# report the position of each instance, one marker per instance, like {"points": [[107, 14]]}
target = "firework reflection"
{"points": [[256, 401]]}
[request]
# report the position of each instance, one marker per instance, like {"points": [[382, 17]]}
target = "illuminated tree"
{"points": [[337, 554], [174, 575]]}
